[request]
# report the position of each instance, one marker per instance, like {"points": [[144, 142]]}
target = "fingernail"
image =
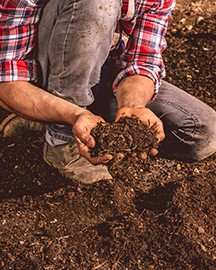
{"points": [[90, 142], [143, 155], [107, 159]]}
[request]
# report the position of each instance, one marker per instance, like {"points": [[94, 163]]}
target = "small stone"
{"points": [[4, 222], [199, 19], [189, 27], [196, 170], [178, 167], [170, 164], [201, 230], [183, 20], [54, 221]]}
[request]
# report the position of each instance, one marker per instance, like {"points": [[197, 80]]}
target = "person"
{"points": [[74, 63]]}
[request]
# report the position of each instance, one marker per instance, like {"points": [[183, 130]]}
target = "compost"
{"points": [[154, 214]]}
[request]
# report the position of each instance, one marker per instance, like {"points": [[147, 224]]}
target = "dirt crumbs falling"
{"points": [[157, 215], [134, 139]]}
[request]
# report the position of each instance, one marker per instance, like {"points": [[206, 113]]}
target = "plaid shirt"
{"points": [[143, 21]]}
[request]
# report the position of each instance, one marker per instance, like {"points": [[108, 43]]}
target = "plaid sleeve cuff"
{"points": [[144, 71], [18, 70]]}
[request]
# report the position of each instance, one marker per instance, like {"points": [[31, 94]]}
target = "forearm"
{"points": [[134, 91], [36, 104]]}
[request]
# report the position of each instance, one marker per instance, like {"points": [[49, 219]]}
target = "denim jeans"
{"points": [[74, 64]]}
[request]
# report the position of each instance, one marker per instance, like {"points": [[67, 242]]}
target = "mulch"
{"points": [[154, 214]]}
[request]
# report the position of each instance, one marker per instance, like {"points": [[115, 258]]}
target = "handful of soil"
{"points": [[129, 135]]}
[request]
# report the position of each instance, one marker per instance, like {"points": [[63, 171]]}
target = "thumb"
{"points": [[88, 141]]}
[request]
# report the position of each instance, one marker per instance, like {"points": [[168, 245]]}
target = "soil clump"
{"points": [[128, 136]]}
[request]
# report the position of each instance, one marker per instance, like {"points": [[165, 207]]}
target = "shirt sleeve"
{"points": [[18, 34], [143, 53]]}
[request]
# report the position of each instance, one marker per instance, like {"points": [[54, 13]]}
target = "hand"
{"points": [[148, 118], [82, 127]]}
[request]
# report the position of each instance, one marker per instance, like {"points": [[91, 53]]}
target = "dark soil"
{"points": [[123, 137], [160, 216]]}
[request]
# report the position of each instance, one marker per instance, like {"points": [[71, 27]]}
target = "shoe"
{"points": [[14, 124], [67, 159]]}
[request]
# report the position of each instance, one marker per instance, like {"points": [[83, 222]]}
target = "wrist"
{"points": [[79, 112], [135, 91]]}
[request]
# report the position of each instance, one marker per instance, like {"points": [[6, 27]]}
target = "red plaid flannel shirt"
{"points": [[144, 22]]}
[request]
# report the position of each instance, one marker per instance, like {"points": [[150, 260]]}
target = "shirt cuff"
{"points": [[144, 71], [18, 71]]}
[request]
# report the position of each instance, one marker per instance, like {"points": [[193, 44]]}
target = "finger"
{"points": [[160, 136], [105, 159], [158, 127], [143, 155], [153, 152], [88, 141], [98, 160], [118, 157], [125, 111], [85, 152]]}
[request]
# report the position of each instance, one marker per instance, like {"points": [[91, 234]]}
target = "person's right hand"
{"points": [[84, 123]]}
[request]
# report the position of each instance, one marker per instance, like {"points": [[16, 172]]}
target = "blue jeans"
{"points": [[74, 46]]}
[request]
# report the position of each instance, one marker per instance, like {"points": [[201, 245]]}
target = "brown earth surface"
{"points": [[162, 218]]}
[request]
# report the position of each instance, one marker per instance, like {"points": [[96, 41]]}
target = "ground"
{"points": [[48, 222]]}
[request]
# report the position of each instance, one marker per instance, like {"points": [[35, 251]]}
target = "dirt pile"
{"points": [[161, 218]]}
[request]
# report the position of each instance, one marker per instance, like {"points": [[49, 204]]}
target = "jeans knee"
{"points": [[193, 138], [207, 144]]}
